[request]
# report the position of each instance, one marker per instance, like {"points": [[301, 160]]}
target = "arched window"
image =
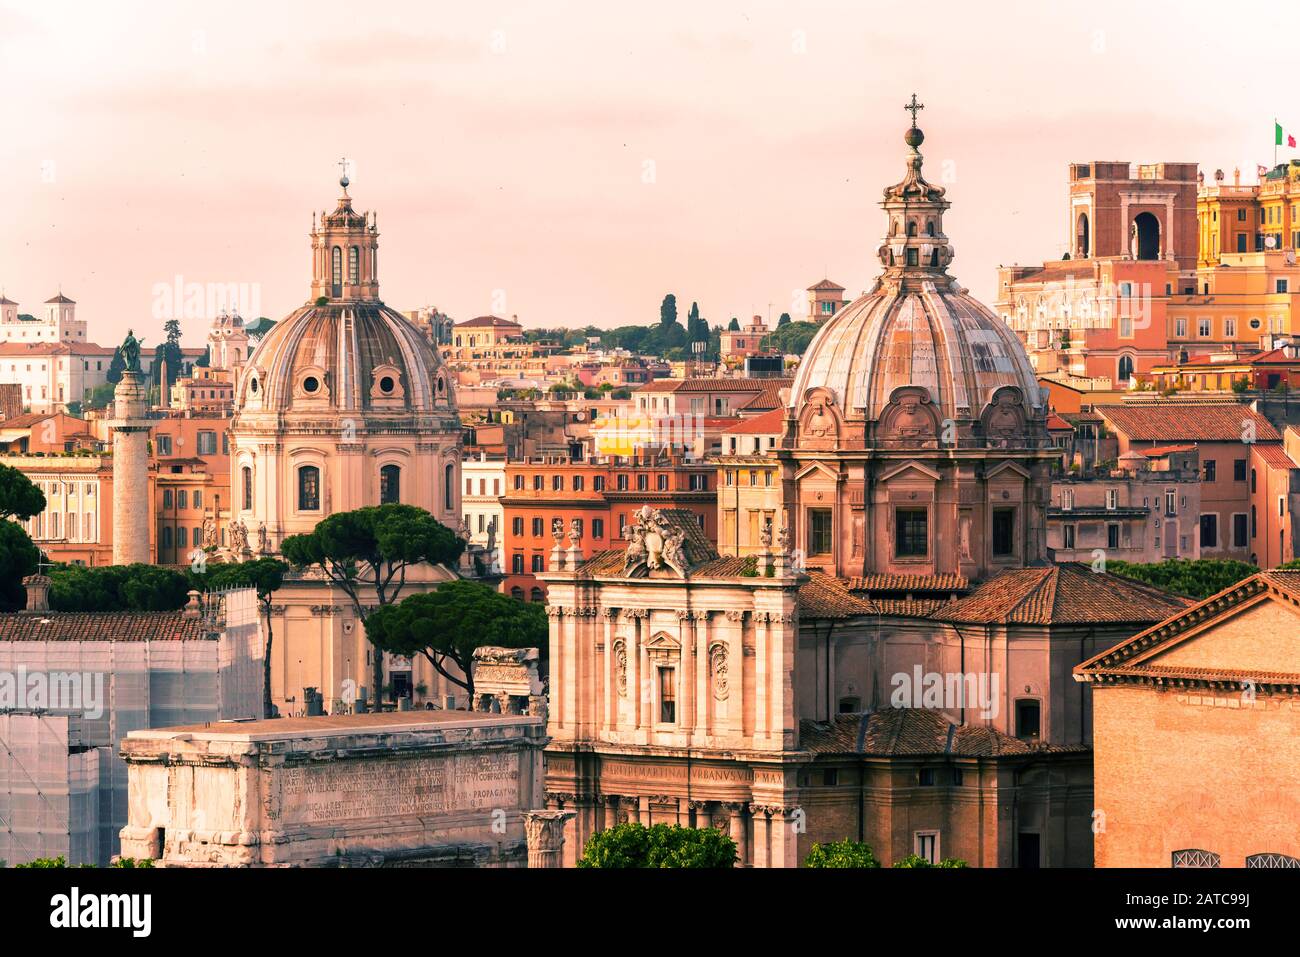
{"points": [[537, 595], [1083, 238], [449, 485], [934, 259], [911, 229], [1125, 368], [929, 227], [1146, 236], [1194, 857], [308, 488], [246, 474], [336, 272], [517, 593], [354, 265], [1272, 860], [390, 484]]}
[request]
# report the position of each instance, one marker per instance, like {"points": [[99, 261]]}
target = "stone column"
{"points": [[736, 830], [545, 833], [759, 816], [132, 517]]}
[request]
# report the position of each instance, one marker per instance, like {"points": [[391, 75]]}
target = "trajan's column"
{"points": [[130, 425]]}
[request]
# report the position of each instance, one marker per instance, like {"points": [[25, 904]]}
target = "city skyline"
{"points": [[507, 182]]}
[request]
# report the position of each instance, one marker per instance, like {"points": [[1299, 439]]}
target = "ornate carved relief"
{"points": [[620, 667], [819, 422], [718, 668]]}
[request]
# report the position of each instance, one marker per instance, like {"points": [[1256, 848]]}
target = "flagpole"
{"points": [[1275, 139]]}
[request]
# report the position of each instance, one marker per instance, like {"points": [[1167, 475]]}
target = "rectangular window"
{"points": [[1281, 286], [167, 498], [539, 563], [164, 443], [622, 482], [597, 528], [1229, 328], [927, 847], [1240, 531], [1209, 531], [1169, 502], [1203, 328], [1004, 525], [1180, 328], [207, 443], [517, 525], [667, 695], [539, 482], [663, 482], [1067, 536], [517, 564], [1027, 719], [557, 483], [1112, 535], [912, 533], [819, 531], [1210, 470], [642, 482], [537, 528], [182, 498], [598, 483], [1239, 470], [519, 483], [1112, 498]]}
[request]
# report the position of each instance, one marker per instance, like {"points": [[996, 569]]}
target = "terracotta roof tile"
{"points": [[1068, 593], [1187, 422], [909, 583], [101, 626], [1274, 456], [826, 286], [825, 597], [768, 422]]}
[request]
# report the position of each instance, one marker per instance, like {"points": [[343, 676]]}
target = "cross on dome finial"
{"points": [[913, 107], [343, 180]]}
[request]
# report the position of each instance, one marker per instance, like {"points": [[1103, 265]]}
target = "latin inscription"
{"points": [[399, 788]]}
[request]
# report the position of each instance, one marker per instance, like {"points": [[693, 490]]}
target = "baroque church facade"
{"points": [[895, 666]]}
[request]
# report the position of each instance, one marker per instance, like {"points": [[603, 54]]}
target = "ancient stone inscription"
{"points": [[397, 788]]}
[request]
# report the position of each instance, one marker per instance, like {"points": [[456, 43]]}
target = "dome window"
{"points": [[386, 385], [311, 385], [252, 386]]}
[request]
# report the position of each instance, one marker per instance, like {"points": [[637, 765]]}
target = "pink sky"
{"points": [[504, 145]]}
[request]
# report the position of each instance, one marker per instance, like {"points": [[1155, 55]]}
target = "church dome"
{"points": [[345, 351], [345, 356], [917, 327]]}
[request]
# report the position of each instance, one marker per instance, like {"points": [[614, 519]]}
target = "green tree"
{"points": [[266, 575], [915, 860], [449, 622], [116, 367], [372, 548], [792, 338], [661, 845], [668, 310], [137, 587], [784, 320], [101, 396], [841, 854], [1194, 578], [18, 559], [19, 496], [733, 325], [169, 351]]}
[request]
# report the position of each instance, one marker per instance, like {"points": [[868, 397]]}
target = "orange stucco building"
{"points": [[1196, 734]]}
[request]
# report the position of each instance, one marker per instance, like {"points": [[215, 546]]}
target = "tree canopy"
{"points": [[791, 338], [19, 497], [448, 623], [18, 559], [842, 854], [668, 310], [1192, 577], [373, 547], [661, 845], [915, 860], [137, 587]]}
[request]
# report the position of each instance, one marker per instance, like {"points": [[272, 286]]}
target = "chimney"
{"points": [[38, 593], [192, 609]]}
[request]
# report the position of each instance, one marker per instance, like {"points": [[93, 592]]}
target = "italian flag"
{"points": [[1280, 137]]}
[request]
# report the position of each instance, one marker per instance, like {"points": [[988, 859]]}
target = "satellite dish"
{"points": [[1270, 242]]}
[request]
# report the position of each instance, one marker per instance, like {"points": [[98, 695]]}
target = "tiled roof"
{"points": [[768, 422], [1157, 451], [826, 597], [485, 321], [101, 626], [53, 349], [908, 607], [1057, 424], [904, 732], [1200, 422], [769, 397], [1274, 456], [826, 286], [1128, 659], [909, 583], [1068, 593], [60, 298]]}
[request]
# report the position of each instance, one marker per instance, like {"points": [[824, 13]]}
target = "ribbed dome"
{"points": [[942, 340], [345, 356], [917, 327]]}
